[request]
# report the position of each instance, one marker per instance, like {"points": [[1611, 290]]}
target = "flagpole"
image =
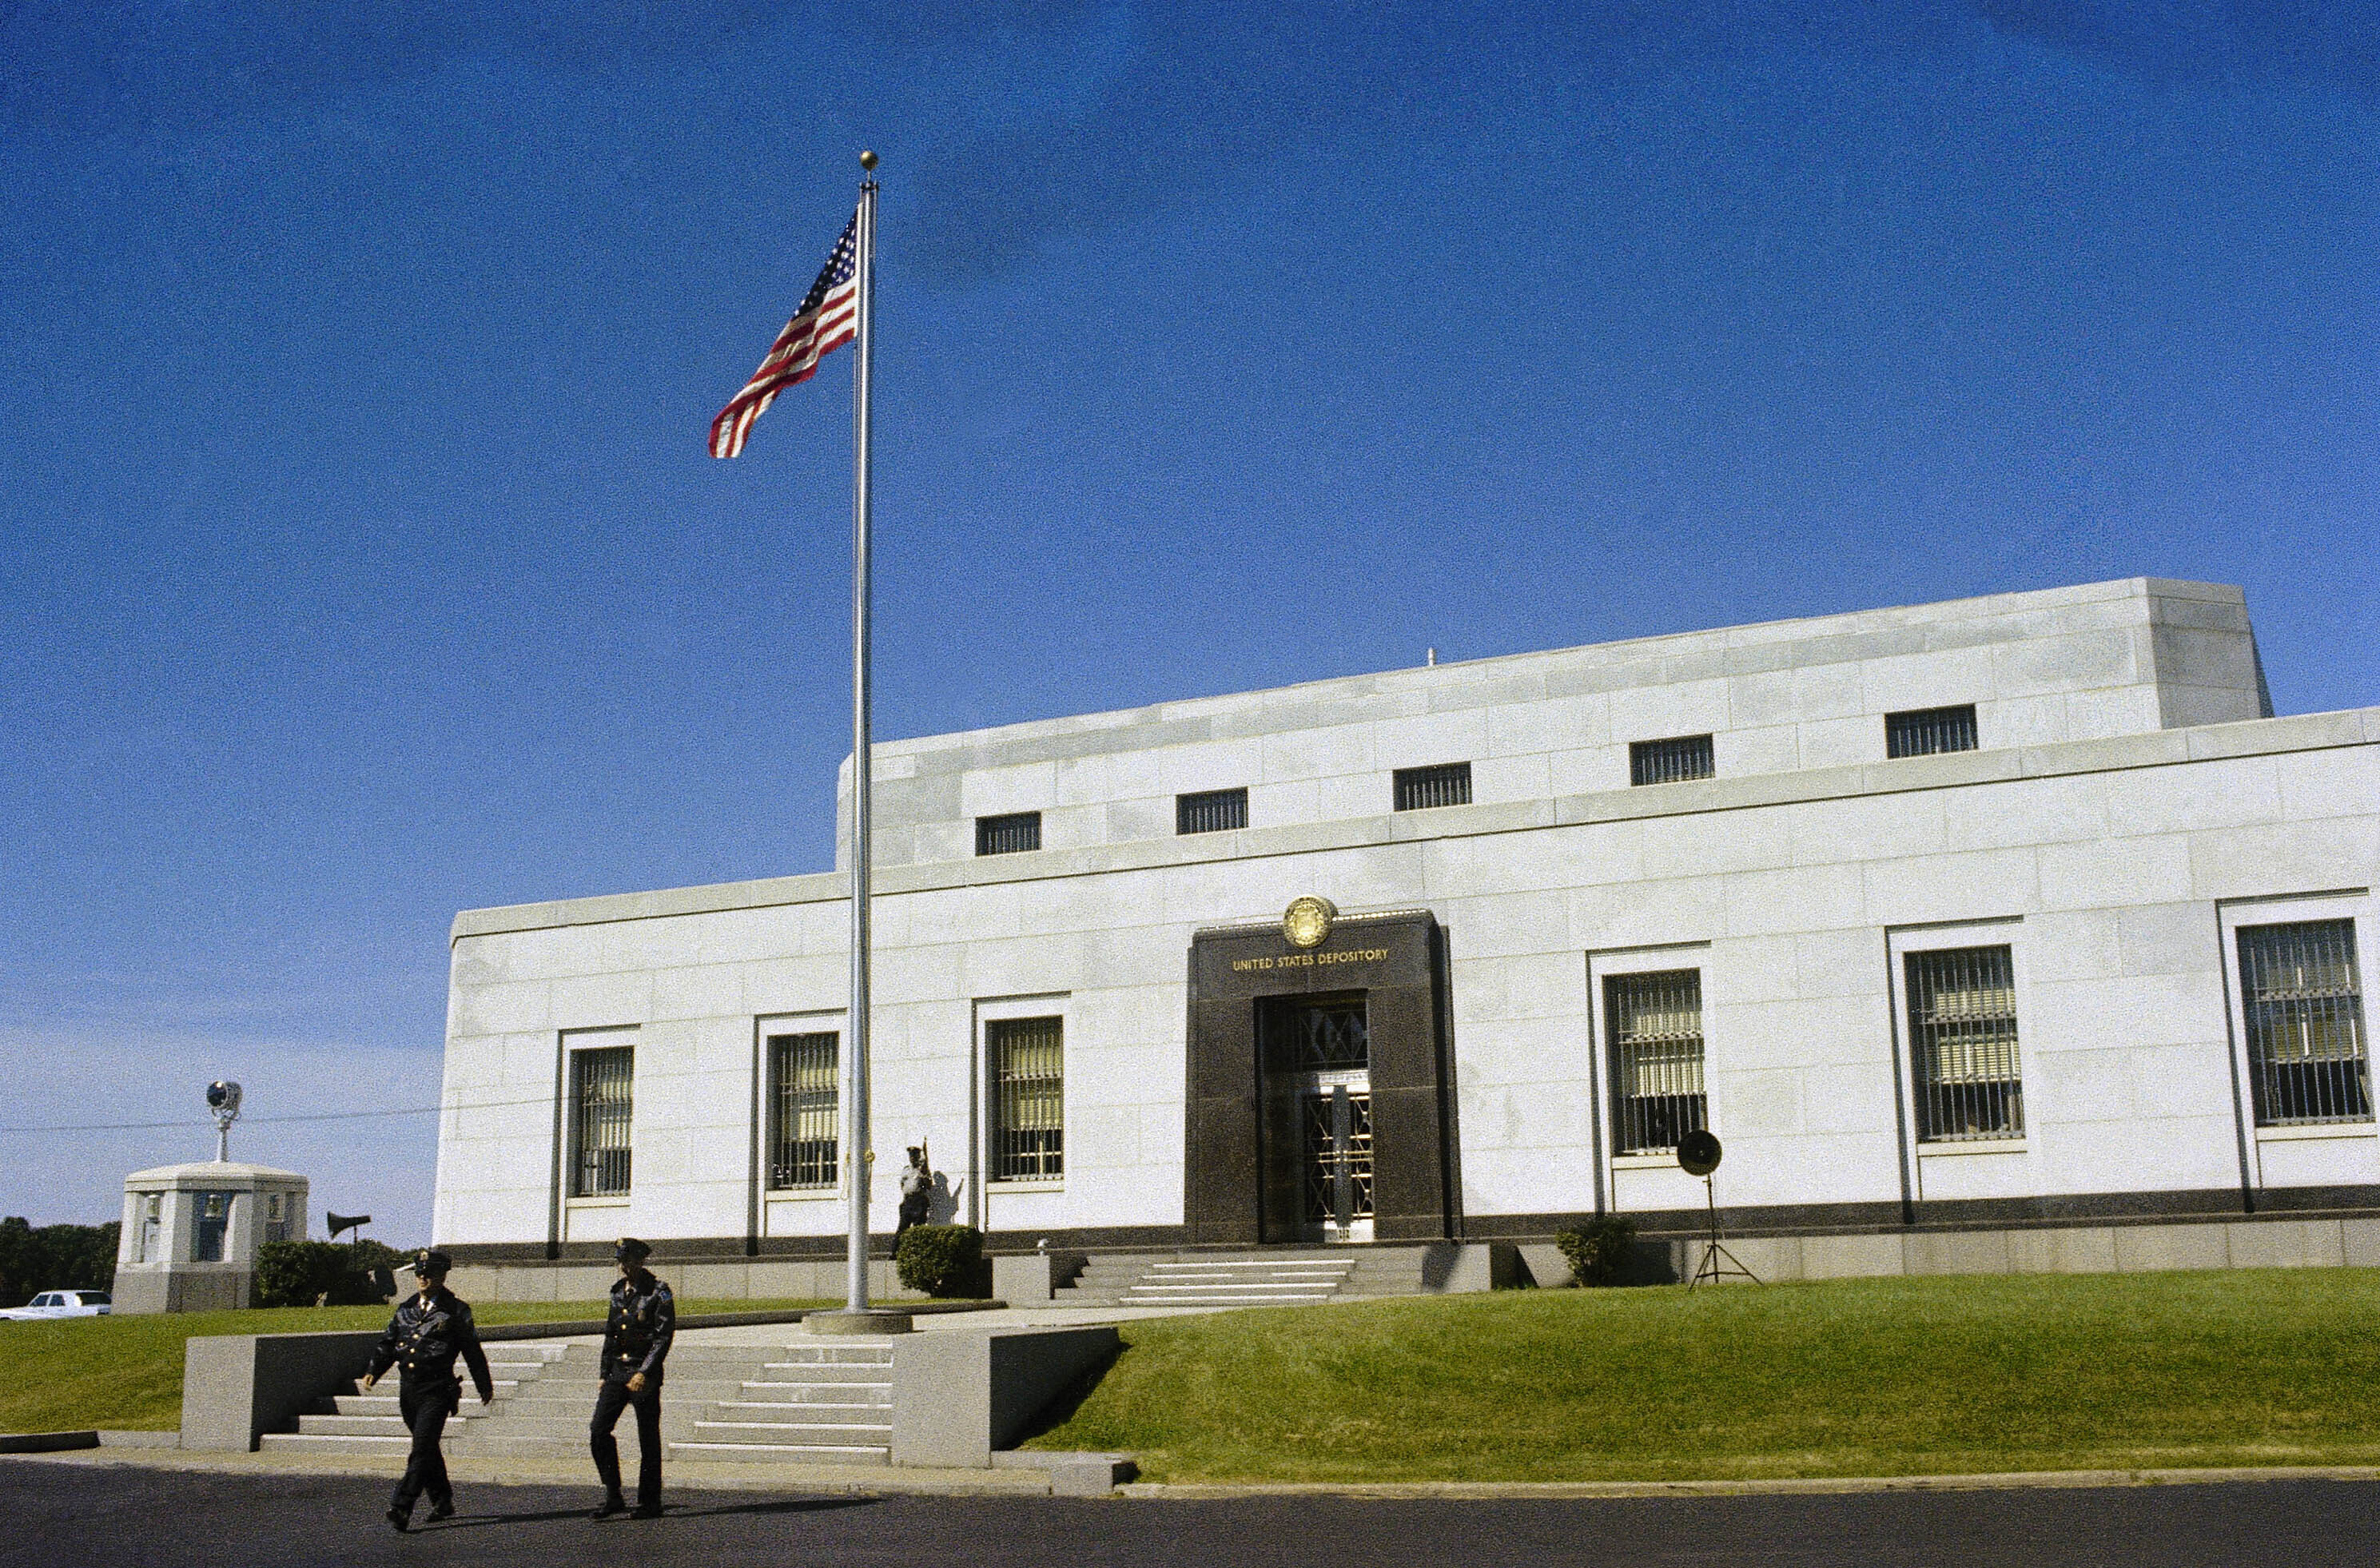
{"points": [[859, 1156]]}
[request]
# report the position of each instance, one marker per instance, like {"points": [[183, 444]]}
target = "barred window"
{"points": [[1924, 731], [278, 1213], [1963, 1044], [150, 1209], [1654, 1024], [1670, 762], [602, 1098], [211, 1222], [1028, 1098], [1421, 789], [2308, 1061], [1212, 811], [802, 1104], [1011, 835]]}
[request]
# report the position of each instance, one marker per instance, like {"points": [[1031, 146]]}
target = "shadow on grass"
{"points": [[1060, 1409]]}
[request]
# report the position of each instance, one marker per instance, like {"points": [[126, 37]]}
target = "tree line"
{"points": [[35, 1259]]}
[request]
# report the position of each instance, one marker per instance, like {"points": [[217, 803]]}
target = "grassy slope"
{"points": [[1856, 1376], [68, 1374]]}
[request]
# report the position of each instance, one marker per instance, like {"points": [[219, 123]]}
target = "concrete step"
{"points": [[495, 1445], [831, 1355], [792, 1454], [365, 1426], [824, 1373], [1158, 1283], [571, 1430], [579, 1393], [386, 1404], [875, 1396], [1225, 1301], [309, 1443], [829, 1434]]}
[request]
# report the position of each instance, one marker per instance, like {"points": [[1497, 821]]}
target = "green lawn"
{"points": [[68, 1374], [1855, 1377]]}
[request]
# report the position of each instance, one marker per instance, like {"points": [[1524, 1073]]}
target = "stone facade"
{"points": [[2129, 805]]}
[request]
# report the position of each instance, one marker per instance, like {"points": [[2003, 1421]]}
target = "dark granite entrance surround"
{"points": [[1398, 962]]}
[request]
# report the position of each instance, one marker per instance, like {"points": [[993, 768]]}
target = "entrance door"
{"points": [[1317, 1052]]}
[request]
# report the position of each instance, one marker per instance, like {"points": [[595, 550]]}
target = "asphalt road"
{"points": [[80, 1516]]}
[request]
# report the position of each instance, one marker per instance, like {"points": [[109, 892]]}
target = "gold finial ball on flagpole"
{"points": [[868, 161]]}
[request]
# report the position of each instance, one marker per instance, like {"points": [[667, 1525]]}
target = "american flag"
{"points": [[828, 318]]}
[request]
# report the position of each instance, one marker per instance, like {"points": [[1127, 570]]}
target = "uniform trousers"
{"points": [[614, 1398], [424, 1406]]}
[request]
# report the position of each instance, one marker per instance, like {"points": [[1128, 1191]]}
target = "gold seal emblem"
{"points": [[1306, 921]]}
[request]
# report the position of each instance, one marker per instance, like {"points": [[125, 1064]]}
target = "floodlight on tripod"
{"points": [[1698, 1155]]}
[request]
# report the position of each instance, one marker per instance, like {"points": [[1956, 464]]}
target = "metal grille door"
{"points": [[2307, 1060], [1924, 731], [1319, 1034], [1333, 1146], [1655, 1026], [603, 1100], [1963, 1044], [803, 1103], [1670, 761], [1029, 1093], [1423, 789]]}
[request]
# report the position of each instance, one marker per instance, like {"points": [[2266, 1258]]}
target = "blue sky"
{"points": [[362, 561]]}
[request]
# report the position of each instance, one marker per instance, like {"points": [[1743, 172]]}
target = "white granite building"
{"points": [[2009, 932]]}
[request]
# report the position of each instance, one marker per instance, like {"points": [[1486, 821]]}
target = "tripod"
{"points": [[1714, 1250]]}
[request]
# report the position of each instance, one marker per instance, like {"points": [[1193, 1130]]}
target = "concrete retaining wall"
{"points": [[238, 1387], [958, 1396]]}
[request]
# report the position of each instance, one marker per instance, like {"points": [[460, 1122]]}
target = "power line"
{"points": [[253, 1120]]}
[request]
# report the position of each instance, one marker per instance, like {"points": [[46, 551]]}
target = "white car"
{"points": [[63, 1304]]}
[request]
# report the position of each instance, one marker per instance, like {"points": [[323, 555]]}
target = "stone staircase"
{"points": [[354, 1422], [805, 1403], [1249, 1279], [812, 1404]]}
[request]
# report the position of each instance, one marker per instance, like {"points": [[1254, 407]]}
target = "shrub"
{"points": [[941, 1260], [299, 1273], [1599, 1250]]}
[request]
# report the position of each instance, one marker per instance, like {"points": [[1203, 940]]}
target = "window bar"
{"points": [[1921, 732], [1962, 1039], [1016, 833], [1028, 1098], [605, 1100], [1424, 789], [1670, 762], [1656, 1059], [804, 1141], [1212, 811], [2308, 1060]]}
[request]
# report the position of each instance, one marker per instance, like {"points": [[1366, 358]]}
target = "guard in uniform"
{"points": [[916, 1192], [636, 1341], [428, 1332]]}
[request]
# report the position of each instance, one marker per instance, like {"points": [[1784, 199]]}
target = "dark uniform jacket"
{"points": [[425, 1336], [642, 1322]]}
